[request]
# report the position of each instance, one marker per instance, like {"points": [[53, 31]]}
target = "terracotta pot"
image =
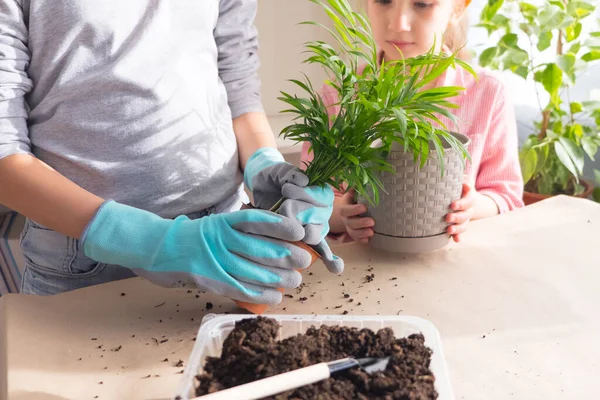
{"points": [[531, 198], [261, 308]]}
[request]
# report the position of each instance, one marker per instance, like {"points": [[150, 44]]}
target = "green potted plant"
{"points": [[387, 142], [384, 135], [555, 48]]}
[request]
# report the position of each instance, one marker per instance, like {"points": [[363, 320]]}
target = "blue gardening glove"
{"points": [[271, 179], [243, 255]]}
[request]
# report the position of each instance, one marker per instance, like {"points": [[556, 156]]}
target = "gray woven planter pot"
{"points": [[410, 217]]}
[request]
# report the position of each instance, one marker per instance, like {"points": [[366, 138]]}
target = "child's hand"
{"points": [[463, 210], [359, 228]]}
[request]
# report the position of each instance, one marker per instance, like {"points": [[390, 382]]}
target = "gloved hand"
{"points": [[271, 179], [242, 255]]}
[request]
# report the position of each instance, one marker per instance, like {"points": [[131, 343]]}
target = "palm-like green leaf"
{"points": [[384, 103]]}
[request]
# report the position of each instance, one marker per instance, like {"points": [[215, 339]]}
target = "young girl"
{"points": [[126, 131], [493, 181]]}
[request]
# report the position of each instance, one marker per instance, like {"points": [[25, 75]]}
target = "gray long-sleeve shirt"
{"points": [[132, 100]]}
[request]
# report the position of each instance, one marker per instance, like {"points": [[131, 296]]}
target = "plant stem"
{"points": [[532, 70], [276, 206], [546, 113], [545, 122], [559, 45]]}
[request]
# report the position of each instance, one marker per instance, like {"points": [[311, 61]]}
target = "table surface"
{"points": [[516, 304]]}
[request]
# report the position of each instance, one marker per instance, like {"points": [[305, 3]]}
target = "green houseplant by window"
{"points": [[385, 109], [555, 48]]}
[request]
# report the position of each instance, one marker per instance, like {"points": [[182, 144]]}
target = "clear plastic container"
{"points": [[215, 328]]}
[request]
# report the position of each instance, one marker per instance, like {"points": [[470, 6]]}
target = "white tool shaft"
{"points": [[272, 385]]}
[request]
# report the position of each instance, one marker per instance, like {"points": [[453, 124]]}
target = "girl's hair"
{"points": [[455, 37]]}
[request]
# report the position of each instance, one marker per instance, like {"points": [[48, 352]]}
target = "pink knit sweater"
{"points": [[486, 116]]}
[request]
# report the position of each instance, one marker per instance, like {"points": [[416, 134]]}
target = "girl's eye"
{"points": [[423, 5], [383, 1]]}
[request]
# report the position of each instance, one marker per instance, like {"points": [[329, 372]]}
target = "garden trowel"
{"points": [[297, 378]]}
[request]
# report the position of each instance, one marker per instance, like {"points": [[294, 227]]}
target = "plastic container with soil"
{"points": [[215, 329]]}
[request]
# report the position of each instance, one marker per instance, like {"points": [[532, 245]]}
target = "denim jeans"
{"points": [[55, 263]]}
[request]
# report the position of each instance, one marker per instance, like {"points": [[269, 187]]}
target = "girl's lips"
{"points": [[401, 44]]}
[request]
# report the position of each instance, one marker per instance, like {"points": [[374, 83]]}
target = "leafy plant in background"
{"points": [[384, 102], [558, 51]]}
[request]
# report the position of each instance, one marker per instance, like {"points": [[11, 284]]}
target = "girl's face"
{"points": [[410, 25]]}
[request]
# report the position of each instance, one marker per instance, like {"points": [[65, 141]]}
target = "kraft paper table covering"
{"points": [[516, 304]]}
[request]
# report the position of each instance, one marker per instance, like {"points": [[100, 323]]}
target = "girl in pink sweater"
{"points": [[493, 182]]}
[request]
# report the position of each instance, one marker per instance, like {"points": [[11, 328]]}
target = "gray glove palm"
{"points": [[271, 180]]}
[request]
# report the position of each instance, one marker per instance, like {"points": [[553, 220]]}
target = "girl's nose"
{"points": [[400, 19]]}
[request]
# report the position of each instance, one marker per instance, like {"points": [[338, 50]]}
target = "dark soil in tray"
{"points": [[252, 352]]}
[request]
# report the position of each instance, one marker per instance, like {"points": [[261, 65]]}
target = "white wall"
{"points": [[281, 46]]}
